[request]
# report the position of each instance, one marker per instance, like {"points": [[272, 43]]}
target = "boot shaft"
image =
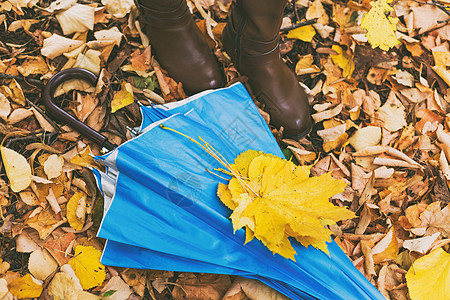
{"points": [[160, 5], [263, 18]]}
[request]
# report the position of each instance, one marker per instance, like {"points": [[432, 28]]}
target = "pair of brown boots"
{"points": [[251, 39]]}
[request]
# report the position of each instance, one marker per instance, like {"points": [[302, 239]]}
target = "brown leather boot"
{"points": [[251, 38], [179, 45]]}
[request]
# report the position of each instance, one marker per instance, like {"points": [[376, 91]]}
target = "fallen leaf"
{"points": [[44, 222], [41, 264], [76, 211], [316, 10], [380, 28], [305, 65], [87, 104], [253, 192], [343, 60], [123, 97], [365, 137], [86, 265], [421, 245], [60, 5], [78, 18], [62, 287], [42, 121], [437, 219], [19, 114], [136, 279], [4, 292], [28, 241], [391, 116], [201, 286], [252, 289], [386, 248], [56, 45], [122, 290], [33, 65], [304, 33], [17, 169], [429, 276], [53, 166], [16, 93], [5, 107], [109, 34], [84, 158], [25, 287], [89, 61], [327, 114], [118, 8], [58, 248]]}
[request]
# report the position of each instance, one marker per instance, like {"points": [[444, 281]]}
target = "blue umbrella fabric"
{"points": [[164, 203]]}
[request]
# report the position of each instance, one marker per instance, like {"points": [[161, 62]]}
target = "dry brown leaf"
{"points": [[89, 61], [421, 245], [60, 248], [5, 107], [56, 45], [122, 290], [437, 219], [118, 8], [78, 18], [62, 287], [386, 248], [202, 286], [33, 65], [251, 289], [19, 114], [365, 137], [87, 104], [44, 221], [328, 114], [316, 10], [110, 34], [135, 279], [41, 264], [28, 241]]}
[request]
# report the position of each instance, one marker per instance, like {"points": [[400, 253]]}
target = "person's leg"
{"points": [[179, 45], [251, 38]]}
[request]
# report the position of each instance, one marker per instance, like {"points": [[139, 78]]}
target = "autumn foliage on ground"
{"points": [[378, 80]]}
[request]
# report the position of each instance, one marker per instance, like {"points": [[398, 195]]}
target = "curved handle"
{"points": [[61, 115]]}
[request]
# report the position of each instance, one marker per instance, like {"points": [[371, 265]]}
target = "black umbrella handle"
{"points": [[61, 115]]}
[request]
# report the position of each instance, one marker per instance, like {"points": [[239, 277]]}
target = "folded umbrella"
{"points": [[165, 203]]}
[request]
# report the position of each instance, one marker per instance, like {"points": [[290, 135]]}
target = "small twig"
{"points": [[297, 17], [298, 25], [30, 80]]}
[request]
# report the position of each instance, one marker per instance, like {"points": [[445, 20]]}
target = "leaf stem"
{"points": [[217, 156]]}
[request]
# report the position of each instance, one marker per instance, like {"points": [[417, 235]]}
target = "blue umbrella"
{"points": [[162, 210]]}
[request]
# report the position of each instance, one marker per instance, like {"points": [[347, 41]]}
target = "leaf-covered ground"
{"points": [[380, 125]]}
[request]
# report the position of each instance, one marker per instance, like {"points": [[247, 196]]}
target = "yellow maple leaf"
{"points": [[274, 199], [25, 287], [123, 97], [76, 211], [343, 60], [85, 159], [429, 276], [86, 265], [304, 33], [380, 29], [17, 169]]}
